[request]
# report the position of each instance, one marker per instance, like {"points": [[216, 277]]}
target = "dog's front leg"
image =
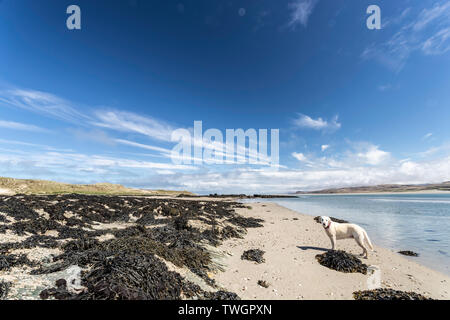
{"points": [[333, 242]]}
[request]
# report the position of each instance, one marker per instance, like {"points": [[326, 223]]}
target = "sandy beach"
{"points": [[290, 241], [291, 268]]}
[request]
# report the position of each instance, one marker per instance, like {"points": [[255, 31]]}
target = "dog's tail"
{"points": [[368, 240]]}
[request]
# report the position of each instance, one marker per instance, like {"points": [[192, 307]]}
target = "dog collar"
{"points": [[329, 224]]}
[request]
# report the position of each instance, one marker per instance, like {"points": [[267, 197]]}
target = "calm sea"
{"points": [[417, 222]]}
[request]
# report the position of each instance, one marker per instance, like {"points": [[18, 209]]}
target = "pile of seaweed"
{"points": [[317, 219], [388, 294], [341, 261], [409, 253], [253, 255], [131, 263], [246, 222]]}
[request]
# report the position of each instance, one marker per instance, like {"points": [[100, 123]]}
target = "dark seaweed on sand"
{"points": [[409, 253], [253, 255], [387, 294], [246, 222], [128, 265], [341, 261], [8, 261], [4, 289]]}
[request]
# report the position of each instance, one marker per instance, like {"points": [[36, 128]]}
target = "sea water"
{"points": [[417, 222]]}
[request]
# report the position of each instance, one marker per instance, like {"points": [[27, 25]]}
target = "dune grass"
{"points": [[31, 186]]}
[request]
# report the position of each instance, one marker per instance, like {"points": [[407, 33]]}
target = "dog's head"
{"points": [[325, 221]]}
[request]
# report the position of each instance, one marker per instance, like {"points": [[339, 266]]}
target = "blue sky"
{"points": [[354, 106]]}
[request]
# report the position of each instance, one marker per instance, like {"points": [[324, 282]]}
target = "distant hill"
{"points": [[10, 186], [445, 186]]}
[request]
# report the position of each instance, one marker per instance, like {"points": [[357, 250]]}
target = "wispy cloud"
{"points": [[20, 126], [301, 10], [33, 145], [428, 32], [144, 146], [42, 103], [427, 136], [304, 121], [384, 87], [131, 122], [79, 165], [438, 43]]}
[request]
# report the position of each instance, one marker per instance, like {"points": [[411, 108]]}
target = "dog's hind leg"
{"points": [[366, 238], [360, 243]]}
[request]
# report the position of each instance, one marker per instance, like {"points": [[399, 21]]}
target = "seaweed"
{"points": [[8, 261], [341, 261], [4, 289], [409, 253], [246, 222], [263, 283], [255, 255], [221, 295], [159, 231], [387, 294]]}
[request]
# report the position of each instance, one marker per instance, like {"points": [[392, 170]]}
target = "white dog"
{"points": [[337, 231]]}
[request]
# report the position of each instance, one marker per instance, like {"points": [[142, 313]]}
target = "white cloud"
{"points": [[304, 121], [324, 147], [281, 181], [374, 156], [300, 157], [301, 10], [20, 126]]}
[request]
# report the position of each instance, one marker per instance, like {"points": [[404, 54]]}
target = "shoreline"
{"points": [[375, 193], [291, 240]]}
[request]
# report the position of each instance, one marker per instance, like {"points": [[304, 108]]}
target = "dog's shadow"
{"points": [[312, 248]]}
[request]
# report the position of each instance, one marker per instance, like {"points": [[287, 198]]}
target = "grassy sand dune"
{"points": [[387, 188], [10, 186]]}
